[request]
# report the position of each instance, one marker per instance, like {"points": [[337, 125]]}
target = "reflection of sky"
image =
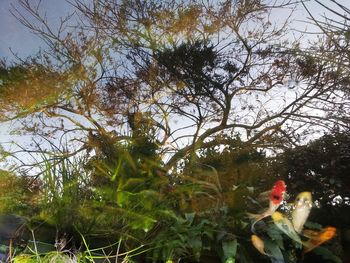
{"points": [[16, 36]]}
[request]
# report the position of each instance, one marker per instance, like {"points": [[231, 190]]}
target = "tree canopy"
{"points": [[189, 73]]}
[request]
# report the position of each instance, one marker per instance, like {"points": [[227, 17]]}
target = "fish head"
{"points": [[303, 200], [277, 193]]}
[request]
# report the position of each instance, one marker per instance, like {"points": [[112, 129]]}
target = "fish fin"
{"points": [[264, 196], [310, 233], [319, 238]]}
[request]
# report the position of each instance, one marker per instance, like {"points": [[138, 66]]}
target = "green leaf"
{"points": [[209, 233], [230, 249], [313, 225], [235, 187], [196, 245], [273, 249], [327, 255], [250, 189], [230, 260], [275, 234], [190, 217], [139, 221], [133, 183], [123, 198]]}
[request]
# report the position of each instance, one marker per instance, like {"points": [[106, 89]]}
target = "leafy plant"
{"points": [[17, 194]]}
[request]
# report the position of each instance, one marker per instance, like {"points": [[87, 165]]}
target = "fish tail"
{"points": [[259, 244], [256, 218]]}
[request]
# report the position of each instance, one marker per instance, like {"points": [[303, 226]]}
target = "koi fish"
{"points": [[318, 237], [302, 206], [284, 224], [259, 244], [275, 199]]}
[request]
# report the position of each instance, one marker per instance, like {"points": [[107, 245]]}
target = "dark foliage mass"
{"points": [[322, 166]]}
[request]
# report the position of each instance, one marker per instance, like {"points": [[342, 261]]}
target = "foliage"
{"points": [[50, 257], [15, 195], [320, 166], [215, 222], [39, 85], [204, 211], [168, 110], [143, 209]]}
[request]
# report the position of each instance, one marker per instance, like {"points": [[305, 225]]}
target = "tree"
{"points": [[192, 71], [331, 50]]}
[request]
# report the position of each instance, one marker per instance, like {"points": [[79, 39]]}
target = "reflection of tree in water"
{"points": [[158, 115]]}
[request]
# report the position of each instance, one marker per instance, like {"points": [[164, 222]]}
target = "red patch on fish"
{"points": [[277, 192]]}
